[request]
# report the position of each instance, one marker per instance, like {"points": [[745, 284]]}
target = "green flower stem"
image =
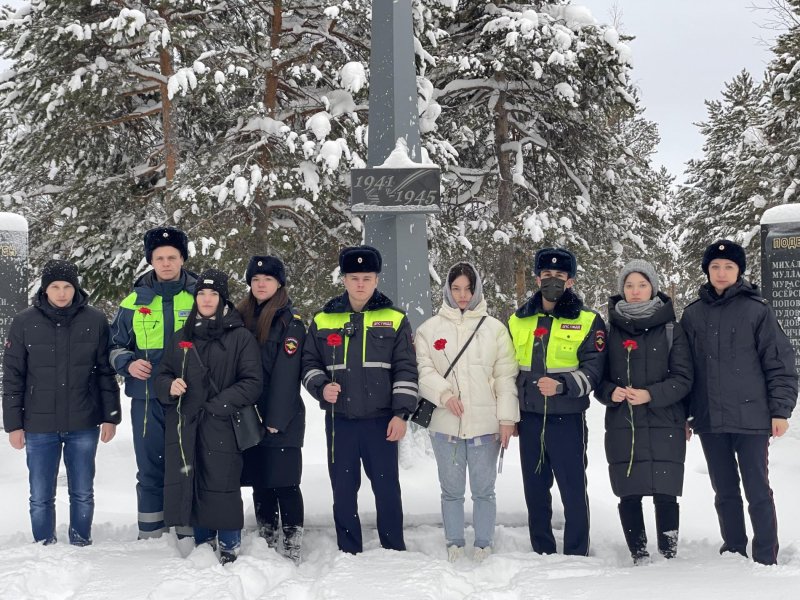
{"points": [[541, 439], [180, 418], [630, 412]]}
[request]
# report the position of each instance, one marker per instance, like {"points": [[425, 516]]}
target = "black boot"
{"points": [[630, 515], [265, 504], [292, 539], [667, 522], [270, 533]]}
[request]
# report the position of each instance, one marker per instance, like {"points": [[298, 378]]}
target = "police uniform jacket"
{"points": [[572, 351], [136, 335], [744, 370], [375, 365], [280, 403]]}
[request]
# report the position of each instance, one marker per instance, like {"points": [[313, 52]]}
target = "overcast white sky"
{"points": [[683, 53]]}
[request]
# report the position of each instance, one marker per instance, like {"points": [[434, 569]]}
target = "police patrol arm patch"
{"points": [[600, 340], [290, 346]]}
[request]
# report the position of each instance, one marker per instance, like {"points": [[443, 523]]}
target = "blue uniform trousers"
{"points": [[357, 442], [148, 446], [565, 460]]}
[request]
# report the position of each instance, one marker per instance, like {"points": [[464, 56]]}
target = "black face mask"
{"points": [[553, 288]]}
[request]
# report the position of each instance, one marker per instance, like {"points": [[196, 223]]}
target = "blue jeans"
{"points": [[229, 539], [454, 459], [43, 451]]}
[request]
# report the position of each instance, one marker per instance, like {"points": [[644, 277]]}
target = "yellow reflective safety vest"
{"points": [[136, 334], [368, 353], [149, 328], [570, 348]]}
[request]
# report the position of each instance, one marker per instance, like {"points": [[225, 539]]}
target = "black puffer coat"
{"points": [[56, 374], [743, 362], [206, 492], [659, 436]]}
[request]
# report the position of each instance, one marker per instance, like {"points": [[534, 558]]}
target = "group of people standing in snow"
{"points": [[193, 361]]}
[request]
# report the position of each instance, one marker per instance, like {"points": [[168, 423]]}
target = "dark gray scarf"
{"points": [[639, 310]]}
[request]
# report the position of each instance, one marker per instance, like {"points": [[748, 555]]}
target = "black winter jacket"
{"points": [[206, 492], [367, 392], [743, 362], [280, 403], [56, 374], [659, 434]]}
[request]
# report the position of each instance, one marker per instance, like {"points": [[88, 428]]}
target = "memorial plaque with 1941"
{"points": [[395, 190]]}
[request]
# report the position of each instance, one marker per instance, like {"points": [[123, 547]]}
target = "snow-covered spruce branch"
{"points": [[145, 74], [533, 136], [464, 85], [145, 89], [331, 38], [139, 113]]}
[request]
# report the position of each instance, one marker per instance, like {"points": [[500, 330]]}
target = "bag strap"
{"points": [[202, 366], [464, 347], [670, 328]]}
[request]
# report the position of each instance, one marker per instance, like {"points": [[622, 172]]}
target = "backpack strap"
{"points": [[670, 328]]}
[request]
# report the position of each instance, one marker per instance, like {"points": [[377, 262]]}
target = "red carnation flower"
{"points": [[185, 345], [540, 332], [145, 311], [630, 345], [334, 339], [439, 344]]}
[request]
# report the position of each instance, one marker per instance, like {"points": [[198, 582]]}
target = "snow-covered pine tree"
{"points": [[272, 174], [530, 96], [726, 190], [95, 132]]}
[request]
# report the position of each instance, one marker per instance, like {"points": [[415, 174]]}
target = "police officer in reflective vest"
{"points": [[143, 326], [359, 363], [560, 347]]}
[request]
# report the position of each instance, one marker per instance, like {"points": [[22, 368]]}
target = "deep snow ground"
{"points": [[119, 567]]}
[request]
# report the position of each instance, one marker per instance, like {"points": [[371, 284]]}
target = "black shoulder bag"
{"points": [[248, 426], [424, 412]]}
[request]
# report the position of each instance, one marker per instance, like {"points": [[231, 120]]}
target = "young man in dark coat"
{"points": [[274, 467], [648, 377], [359, 363], [60, 393], [560, 348], [745, 388], [143, 326], [211, 369]]}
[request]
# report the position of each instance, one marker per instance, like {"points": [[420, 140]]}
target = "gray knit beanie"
{"points": [[638, 265]]}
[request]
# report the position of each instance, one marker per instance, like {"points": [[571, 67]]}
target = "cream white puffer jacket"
{"points": [[485, 374]]}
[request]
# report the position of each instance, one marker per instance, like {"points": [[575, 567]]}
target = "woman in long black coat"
{"points": [[274, 467], [648, 378], [202, 461]]}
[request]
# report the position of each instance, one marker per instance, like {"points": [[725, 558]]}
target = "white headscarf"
{"points": [[477, 293]]}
